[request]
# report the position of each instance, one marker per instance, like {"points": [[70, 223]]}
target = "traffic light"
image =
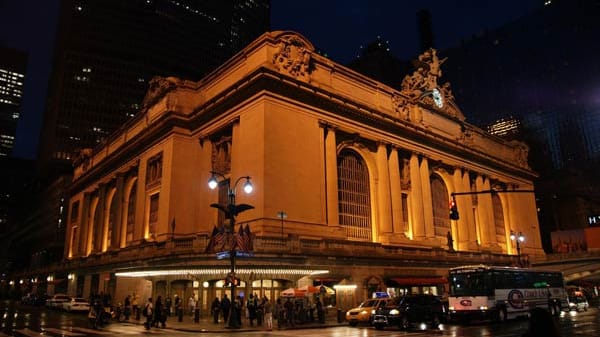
{"points": [[453, 210]]}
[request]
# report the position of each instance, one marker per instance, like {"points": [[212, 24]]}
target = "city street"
{"points": [[20, 320]]}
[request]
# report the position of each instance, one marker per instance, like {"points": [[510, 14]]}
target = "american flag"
{"points": [[244, 239], [216, 242]]}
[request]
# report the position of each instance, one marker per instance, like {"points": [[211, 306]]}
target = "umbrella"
{"points": [[291, 292], [326, 290], [309, 289]]}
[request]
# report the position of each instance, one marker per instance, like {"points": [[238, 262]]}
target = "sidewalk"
{"points": [[206, 324]]}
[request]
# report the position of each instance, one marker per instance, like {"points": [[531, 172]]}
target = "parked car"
{"points": [[364, 312], [56, 301], [411, 309], [578, 303], [76, 304]]}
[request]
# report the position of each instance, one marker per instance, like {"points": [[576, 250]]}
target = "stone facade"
{"points": [[364, 172]]}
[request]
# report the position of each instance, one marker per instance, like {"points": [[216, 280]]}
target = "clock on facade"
{"points": [[437, 98]]}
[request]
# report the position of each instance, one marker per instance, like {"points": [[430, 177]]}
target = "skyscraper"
{"points": [[107, 52], [13, 64]]}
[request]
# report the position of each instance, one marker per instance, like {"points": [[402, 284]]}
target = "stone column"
{"points": [[417, 227], [395, 191], [331, 177], [464, 233], [383, 191], [485, 215], [118, 224], [82, 244], [426, 195]]}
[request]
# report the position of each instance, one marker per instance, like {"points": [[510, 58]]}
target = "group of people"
{"points": [[261, 311]]}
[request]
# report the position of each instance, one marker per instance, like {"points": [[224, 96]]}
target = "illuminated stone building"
{"points": [[364, 173]]}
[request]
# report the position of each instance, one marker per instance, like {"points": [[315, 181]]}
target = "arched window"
{"points": [[354, 197], [499, 219], [439, 198]]}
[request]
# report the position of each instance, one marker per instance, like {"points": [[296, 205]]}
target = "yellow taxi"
{"points": [[365, 311]]}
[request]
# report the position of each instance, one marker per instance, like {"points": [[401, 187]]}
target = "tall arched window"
{"points": [[499, 219], [354, 197], [439, 198]]}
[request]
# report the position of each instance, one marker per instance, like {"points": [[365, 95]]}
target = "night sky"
{"points": [[338, 27]]}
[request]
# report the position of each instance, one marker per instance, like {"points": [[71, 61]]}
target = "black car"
{"points": [[411, 309]]}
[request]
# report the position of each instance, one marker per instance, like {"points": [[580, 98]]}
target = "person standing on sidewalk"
{"points": [[268, 308], [215, 309], [192, 305], [279, 313], [148, 313], [178, 308], [289, 312], [225, 307], [136, 306]]}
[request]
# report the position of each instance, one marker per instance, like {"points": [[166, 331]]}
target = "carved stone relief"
{"points": [[293, 57], [221, 155]]}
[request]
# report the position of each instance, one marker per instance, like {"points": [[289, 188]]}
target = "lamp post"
{"points": [[518, 238], [231, 210], [282, 215]]}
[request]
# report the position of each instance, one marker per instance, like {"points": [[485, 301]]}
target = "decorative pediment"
{"points": [[292, 56], [159, 87], [422, 85], [521, 153]]}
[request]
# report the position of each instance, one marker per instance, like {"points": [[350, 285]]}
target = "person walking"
{"points": [[251, 305], [215, 308]]}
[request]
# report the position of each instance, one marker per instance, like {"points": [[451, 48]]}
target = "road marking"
{"points": [[29, 333], [93, 331], [64, 332]]}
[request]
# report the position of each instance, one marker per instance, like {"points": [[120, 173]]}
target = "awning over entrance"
{"points": [[418, 281]]}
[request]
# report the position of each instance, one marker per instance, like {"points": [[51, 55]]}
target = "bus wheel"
{"points": [[501, 315]]}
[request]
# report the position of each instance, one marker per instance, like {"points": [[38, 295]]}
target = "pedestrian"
{"points": [[158, 309], [192, 305], [148, 314], [127, 303], [215, 309], [289, 312], [168, 304], [541, 324], [225, 307], [279, 313], [251, 305], [136, 306], [268, 308], [178, 308], [320, 311]]}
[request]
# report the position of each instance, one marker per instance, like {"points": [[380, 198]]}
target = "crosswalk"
{"points": [[80, 331]]}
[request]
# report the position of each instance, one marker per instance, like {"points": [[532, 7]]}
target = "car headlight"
{"points": [[450, 308], [373, 312], [394, 312], [364, 312], [483, 307]]}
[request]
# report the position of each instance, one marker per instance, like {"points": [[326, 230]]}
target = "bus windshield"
{"points": [[470, 284]]}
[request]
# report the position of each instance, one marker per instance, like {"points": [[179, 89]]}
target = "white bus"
{"points": [[501, 293]]}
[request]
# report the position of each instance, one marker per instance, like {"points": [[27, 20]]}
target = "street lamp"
{"points": [[231, 210], [282, 215], [518, 238]]}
